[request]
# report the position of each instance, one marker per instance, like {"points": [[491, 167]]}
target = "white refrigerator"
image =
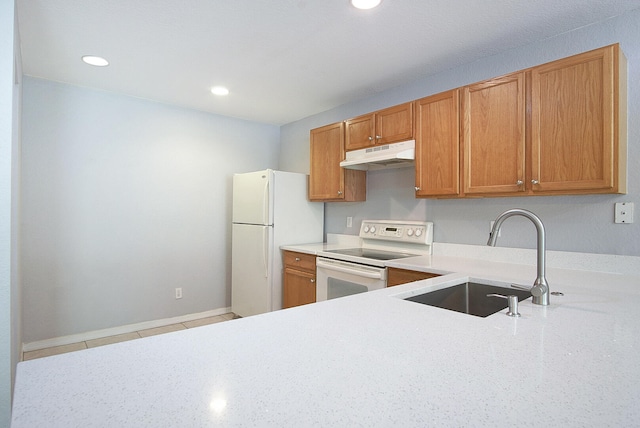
{"points": [[270, 209]]}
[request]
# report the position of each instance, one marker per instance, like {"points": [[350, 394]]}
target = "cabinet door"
{"points": [[359, 132], [299, 288], [493, 132], [394, 124], [438, 144], [402, 276], [574, 119], [327, 180]]}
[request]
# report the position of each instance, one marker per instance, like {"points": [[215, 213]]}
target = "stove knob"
{"points": [[418, 232], [409, 232], [366, 229], [373, 229]]}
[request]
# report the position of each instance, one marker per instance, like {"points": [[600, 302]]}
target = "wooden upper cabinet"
{"points": [[394, 124], [437, 136], [493, 134], [558, 128], [386, 126], [578, 120], [360, 132], [327, 180]]}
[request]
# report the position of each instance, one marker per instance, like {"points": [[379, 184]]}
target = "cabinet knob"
{"points": [[339, 192], [417, 188], [519, 183], [370, 138], [535, 182], [297, 259], [312, 280], [378, 137]]}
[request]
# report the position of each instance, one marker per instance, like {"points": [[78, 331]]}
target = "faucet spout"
{"points": [[540, 289]]}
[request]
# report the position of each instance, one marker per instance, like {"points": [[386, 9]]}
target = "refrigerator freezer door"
{"points": [[251, 269], [252, 198]]}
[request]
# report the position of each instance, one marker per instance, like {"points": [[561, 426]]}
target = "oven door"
{"points": [[336, 278]]}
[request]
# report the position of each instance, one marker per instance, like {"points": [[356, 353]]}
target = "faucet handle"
{"points": [[536, 290], [513, 303]]}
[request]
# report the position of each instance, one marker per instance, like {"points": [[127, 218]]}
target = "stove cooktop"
{"points": [[371, 254]]}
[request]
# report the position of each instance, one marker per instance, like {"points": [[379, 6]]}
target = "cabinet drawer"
{"points": [[300, 261], [403, 276]]}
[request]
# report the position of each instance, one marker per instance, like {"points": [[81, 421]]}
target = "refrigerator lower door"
{"points": [[251, 276]]}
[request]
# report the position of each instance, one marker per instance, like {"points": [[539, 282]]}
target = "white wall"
{"points": [[574, 223], [123, 201], [10, 340]]}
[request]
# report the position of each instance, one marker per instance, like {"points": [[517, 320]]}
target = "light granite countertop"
{"points": [[371, 359]]}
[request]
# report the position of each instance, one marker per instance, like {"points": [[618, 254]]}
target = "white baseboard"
{"points": [[130, 328]]}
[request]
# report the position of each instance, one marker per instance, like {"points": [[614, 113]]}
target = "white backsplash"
{"points": [[336, 238], [627, 265], [611, 263]]}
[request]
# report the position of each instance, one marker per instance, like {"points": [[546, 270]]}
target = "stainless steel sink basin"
{"points": [[469, 298]]}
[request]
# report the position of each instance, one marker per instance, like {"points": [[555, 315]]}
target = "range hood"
{"points": [[396, 155]]}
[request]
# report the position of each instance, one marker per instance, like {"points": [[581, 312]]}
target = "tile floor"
{"points": [[39, 353]]}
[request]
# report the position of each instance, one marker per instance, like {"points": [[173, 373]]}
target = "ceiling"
{"points": [[282, 60]]}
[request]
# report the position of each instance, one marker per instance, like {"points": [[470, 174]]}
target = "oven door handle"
{"points": [[345, 269]]}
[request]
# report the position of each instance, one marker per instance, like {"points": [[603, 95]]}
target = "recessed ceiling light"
{"points": [[365, 4], [219, 90], [98, 61]]}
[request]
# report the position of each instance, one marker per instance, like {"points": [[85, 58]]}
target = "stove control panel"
{"points": [[418, 232]]}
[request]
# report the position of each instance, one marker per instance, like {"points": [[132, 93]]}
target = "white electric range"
{"points": [[342, 272]]}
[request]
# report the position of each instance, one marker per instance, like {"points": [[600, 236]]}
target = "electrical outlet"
{"points": [[178, 293], [349, 221], [623, 212]]}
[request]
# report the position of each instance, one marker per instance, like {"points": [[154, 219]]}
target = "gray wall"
{"points": [[123, 201], [574, 223]]}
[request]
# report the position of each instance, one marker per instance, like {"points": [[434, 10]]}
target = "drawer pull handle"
{"points": [[297, 259]]}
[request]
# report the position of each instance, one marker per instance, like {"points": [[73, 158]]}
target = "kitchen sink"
{"points": [[470, 298]]}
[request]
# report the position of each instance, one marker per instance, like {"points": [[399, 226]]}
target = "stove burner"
{"points": [[371, 254]]}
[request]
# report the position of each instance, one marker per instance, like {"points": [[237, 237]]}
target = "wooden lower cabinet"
{"points": [[397, 276], [299, 283]]}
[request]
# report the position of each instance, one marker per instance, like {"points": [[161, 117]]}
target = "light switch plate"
{"points": [[624, 212]]}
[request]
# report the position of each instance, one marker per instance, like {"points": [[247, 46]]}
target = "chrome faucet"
{"points": [[540, 289]]}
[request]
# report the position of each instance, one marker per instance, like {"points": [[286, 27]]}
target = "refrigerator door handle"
{"points": [[265, 243], [265, 203]]}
